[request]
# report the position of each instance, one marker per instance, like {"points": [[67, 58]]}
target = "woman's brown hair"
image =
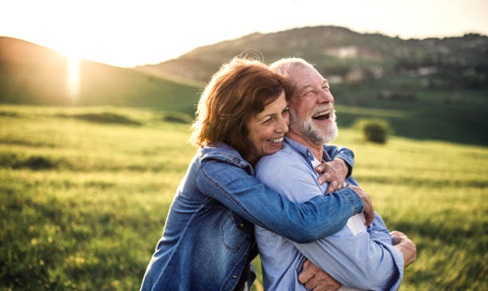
{"points": [[239, 90]]}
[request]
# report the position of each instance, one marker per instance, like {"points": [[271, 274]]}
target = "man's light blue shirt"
{"points": [[361, 259]]}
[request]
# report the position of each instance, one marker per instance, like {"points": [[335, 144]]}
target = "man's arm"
{"points": [[406, 246], [314, 278], [357, 261]]}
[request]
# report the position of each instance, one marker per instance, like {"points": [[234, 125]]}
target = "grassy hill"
{"points": [[348, 56], [35, 75], [83, 198], [431, 89], [426, 89]]}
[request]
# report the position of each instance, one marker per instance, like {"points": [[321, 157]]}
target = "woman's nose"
{"points": [[282, 125]]}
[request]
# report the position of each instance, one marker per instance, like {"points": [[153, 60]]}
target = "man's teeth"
{"points": [[321, 114], [276, 140]]}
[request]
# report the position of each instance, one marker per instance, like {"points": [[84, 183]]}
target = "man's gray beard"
{"points": [[314, 134]]}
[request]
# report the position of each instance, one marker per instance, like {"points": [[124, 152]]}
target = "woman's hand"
{"points": [[334, 172], [315, 279], [368, 204]]}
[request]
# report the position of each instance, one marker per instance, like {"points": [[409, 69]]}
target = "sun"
{"points": [[73, 76]]}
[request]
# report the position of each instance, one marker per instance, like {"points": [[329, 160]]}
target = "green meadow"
{"points": [[84, 194]]}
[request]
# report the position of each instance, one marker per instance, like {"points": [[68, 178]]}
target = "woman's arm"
{"points": [[300, 222]]}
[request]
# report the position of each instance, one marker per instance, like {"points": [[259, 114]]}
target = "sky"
{"points": [[129, 33]]}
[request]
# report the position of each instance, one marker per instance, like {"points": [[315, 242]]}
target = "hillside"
{"points": [[32, 74], [348, 56], [427, 89], [430, 89]]}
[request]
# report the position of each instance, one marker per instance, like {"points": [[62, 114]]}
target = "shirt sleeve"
{"points": [[357, 261], [366, 260], [300, 222]]}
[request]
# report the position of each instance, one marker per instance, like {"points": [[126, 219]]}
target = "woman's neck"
{"points": [[252, 159]]}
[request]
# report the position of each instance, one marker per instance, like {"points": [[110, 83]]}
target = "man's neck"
{"points": [[317, 150]]}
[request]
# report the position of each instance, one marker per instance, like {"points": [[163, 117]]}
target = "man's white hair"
{"points": [[285, 65]]}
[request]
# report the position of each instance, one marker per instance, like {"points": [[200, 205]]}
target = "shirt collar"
{"points": [[305, 151]]}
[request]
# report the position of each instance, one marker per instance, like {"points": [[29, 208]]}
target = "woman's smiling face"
{"points": [[267, 129]]}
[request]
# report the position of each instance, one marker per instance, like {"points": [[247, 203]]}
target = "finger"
{"points": [[324, 178], [333, 186], [329, 190], [312, 284], [369, 218], [324, 168], [324, 282], [307, 272], [320, 168]]}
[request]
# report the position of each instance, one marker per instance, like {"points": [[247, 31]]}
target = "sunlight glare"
{"points": [[73, 76]]}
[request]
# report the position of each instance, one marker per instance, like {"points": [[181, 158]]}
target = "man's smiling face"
{"points": [[312, 114]]}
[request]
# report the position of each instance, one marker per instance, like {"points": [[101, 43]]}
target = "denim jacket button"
{"points": [[241, 225]]}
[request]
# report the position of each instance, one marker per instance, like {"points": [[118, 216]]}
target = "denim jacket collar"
{"points": [[223, 152]]}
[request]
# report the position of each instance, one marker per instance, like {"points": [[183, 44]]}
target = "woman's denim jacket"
{"points": [[208, 239]]}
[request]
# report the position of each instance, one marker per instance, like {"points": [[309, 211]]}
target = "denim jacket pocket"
{"points": [[233, 232]]}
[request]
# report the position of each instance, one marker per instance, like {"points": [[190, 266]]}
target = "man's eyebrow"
{"points": [[304, 87]]}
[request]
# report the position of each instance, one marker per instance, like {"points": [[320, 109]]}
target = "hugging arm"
{"points": [[302, 222]]}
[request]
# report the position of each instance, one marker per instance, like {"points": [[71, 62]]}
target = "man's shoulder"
{"points": [[285, 160], [287, 155]]}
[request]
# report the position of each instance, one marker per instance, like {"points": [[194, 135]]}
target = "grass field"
{"points": [[84, 194]]}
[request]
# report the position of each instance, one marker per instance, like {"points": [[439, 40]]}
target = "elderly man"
{"points": [[357, 257]]}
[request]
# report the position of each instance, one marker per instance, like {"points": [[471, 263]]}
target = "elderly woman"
{"points": [[208, 241]]}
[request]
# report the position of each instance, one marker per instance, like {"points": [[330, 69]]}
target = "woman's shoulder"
{"points": [[222, 152], [217, 150]]}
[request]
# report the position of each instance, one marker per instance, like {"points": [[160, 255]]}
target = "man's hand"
{"points": [[406, 246], [315, 279], [334, 172], [368, 204]]}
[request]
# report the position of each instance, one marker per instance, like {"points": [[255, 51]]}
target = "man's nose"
{"points": [[326, 96]]}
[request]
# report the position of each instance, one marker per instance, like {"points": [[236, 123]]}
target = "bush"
{"points": [[375, 130], [107, 117], [24, 161], [176, 117]]}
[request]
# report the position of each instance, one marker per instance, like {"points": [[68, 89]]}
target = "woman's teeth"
{"points": [[276, 140]]}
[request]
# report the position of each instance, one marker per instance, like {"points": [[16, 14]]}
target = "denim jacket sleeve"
{"points": [[241, 192], [341, 153]]}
